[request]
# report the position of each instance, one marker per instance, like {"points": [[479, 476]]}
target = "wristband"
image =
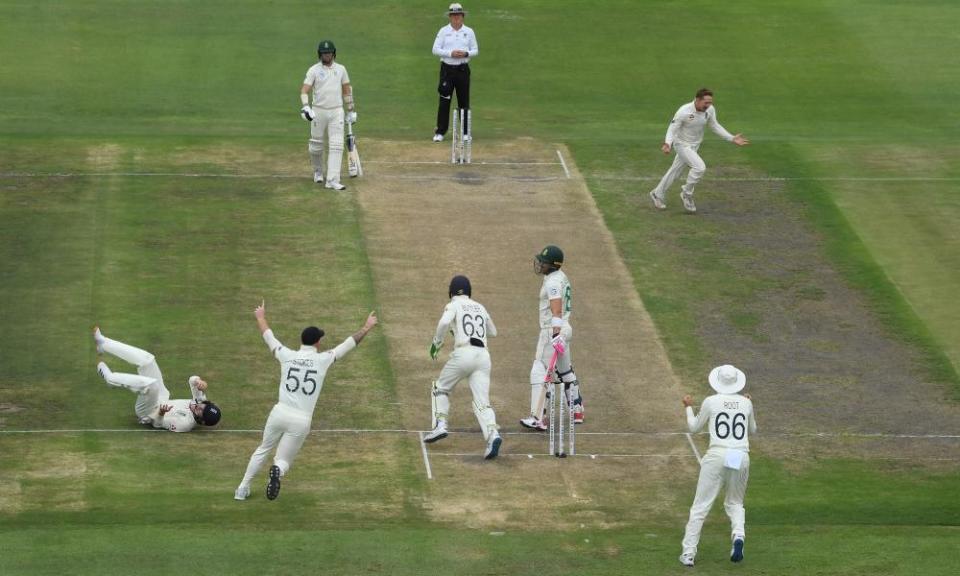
{"points": [[556, 322], [304, 99]]}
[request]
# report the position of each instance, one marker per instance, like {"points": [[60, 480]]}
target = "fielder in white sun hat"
{"points": [[727, 379], [456, 8]]}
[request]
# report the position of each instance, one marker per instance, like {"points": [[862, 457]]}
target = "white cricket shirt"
{"points": [[179, 418], [327, 83], [729, 418], [449, 40], [467, 319], [686, 128], [555, 285], [302, 371]]}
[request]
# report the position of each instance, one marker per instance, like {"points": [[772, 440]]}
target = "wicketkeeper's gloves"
{"points": [[307, 113]]}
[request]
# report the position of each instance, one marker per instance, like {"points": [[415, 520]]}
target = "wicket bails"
{"points": [[561, 407], [461, 144]]}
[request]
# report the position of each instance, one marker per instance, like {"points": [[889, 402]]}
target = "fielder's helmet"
{"points": [[459, 286], [310, 335], [327, 47], [551, 257], [211, 414]]}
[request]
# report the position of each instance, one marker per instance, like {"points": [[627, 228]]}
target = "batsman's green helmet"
{"points": [[326, 47], [551, 255]]}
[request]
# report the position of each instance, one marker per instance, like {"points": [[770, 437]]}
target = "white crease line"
{"points": [[441, 163], [477, 432], [426, 459], [693, 446], [563, 163], [529, 455], [789, 178]]}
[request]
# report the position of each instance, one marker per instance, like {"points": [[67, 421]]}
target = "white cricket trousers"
{"points": [[713, 476], [685, 156], [329, 122], [286, 429], [541, 362], [147, 383], [472, 363]]}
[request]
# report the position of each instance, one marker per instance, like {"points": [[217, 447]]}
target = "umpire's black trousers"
{"points": [[452, 78]]}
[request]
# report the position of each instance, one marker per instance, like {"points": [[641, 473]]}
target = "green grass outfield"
{"points": [[826, 90]]}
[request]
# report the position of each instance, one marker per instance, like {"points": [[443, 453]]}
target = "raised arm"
{"points": [[198, 388], [260, 312], [367, 326]]}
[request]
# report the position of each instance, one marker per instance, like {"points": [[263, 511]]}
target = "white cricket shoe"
{"points": [[335, 186], [657, 201], [688, 204], [318, 176], [98, 339], [533, 423], [686, 559], [438, 137], [103, 370], [242, 492], [736, 553], [493, 447], [438, 433]]}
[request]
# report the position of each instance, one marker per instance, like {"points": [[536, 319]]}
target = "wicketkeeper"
{"points": [[329, 83], [470, 360]]}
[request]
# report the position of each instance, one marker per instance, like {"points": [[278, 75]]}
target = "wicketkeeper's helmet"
{"points": [[211, 414], [326, 47], [459, 286], [549, 259]]}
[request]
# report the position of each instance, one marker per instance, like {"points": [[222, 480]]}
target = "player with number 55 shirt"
{"points": [[470, 360], [301, 377], [728, 415]]}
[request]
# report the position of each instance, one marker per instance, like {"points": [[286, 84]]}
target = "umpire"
{"points": [[456, 44]]}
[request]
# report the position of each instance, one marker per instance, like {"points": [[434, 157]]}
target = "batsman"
{"points": [[553, 345], [329, 84]]}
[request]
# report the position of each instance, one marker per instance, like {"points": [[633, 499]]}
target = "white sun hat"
{"points": [[456, 8], [727, 379]]}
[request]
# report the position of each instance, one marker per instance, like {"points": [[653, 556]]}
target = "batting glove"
{"points": [[351, 117], [435, 349], [307, 113], [559, 344]]}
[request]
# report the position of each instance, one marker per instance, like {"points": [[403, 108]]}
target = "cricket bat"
{"points": [[538, 413], [354, 168]]}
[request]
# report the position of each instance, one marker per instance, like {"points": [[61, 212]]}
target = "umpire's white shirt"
{"points": [[729, 418], [687, 125], [467, 319], [449, 40], [327, 83], [302, 371]]}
